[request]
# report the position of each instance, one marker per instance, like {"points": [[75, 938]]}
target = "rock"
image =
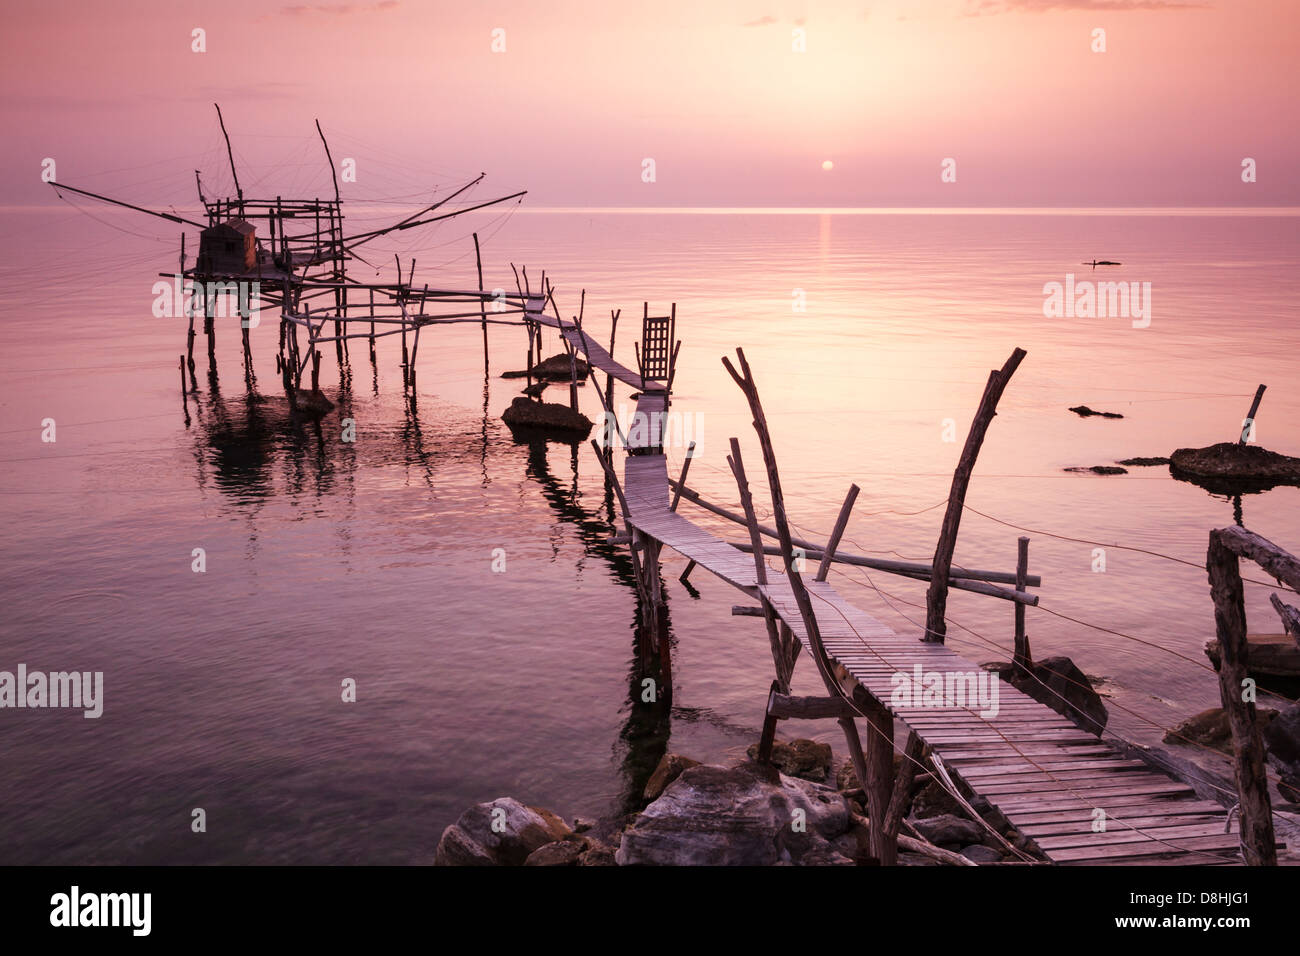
{"points": [[1267, 655], [543, 418], [598, 854], [669, 769], [1282, 734], [1143, 462], [582, 826], [948, 830], [559, 853], [934, 801], [800, 758], [554, 369], [736, 816], [310, 403], [472, 840], [1083, 411], [980, 854], [1234, 460], [916, 859], [1056, 682], [1098, 470], [1210, 729], [1282, 739]]}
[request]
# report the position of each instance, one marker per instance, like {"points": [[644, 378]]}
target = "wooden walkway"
{"points": [[1044, 774]]}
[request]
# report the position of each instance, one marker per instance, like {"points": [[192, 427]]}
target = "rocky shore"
{"points": [[799, 810]]}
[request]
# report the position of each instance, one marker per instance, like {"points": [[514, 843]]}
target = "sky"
{"points": [[717, 94]]}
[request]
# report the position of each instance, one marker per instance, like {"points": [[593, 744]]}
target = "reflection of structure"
{"points": [[645, 732]]}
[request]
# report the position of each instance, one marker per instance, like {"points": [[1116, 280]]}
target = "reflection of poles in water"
{"points": [[487, 391], [646, 729]]}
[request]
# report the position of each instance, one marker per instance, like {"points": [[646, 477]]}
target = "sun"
{"points": [[827, 165]]}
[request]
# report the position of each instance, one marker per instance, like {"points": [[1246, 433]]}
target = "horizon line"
{"points": [[1127, 210]]}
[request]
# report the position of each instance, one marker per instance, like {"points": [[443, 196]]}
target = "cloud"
{"points": [[335, 9], [986, 7], [760, 22]]}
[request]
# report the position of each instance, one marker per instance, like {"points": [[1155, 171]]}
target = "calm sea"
{"points": [[871, 337]]}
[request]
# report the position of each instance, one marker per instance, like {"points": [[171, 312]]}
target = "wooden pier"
{"points": [[1074, 796]]}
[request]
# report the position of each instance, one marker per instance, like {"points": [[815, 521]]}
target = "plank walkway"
{"points": [[1044, 774]]}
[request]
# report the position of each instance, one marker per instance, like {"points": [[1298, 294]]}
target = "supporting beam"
{"points": [[936, 597], [1222, 563], [1022, 659], [780, 654]]}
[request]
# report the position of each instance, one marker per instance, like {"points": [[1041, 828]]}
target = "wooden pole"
{"points": [[1249, 424], [1022, 659], [936, 597], [836, 533], [1257, 840], [681, 482], [231, 156], [780, 654], [482, 304], [609, 377], [875, 767]]}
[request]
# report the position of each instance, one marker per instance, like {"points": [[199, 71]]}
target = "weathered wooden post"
{"points": [[875, 765], [1022, 660], [737, 465], [936, 597], [1221, 561], [1248, 426]]}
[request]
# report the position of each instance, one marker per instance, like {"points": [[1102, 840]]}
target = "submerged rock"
{"points": [[1143, 462], [311, 403], [1083, 411], [1099, 470], [546, 418], [501, 833], [738, 816]]}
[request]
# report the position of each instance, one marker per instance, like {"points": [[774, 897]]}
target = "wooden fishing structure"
{"points": [[1073, 797]]}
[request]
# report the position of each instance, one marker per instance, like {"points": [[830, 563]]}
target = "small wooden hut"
{"points": [[228, 248]]}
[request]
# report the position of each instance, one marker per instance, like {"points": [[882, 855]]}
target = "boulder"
{"points": [[559, 853], [554, 369], [669, 769], [980, 854], [1282, 738], [597, 854], [948, 830], [501, 833], [800, 758], [1056, 682], [1233, 460], [932, 800], [1210, 729], [737, 816], [546, 418]]}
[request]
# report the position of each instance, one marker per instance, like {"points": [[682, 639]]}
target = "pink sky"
{"points": [[713, 92]]}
